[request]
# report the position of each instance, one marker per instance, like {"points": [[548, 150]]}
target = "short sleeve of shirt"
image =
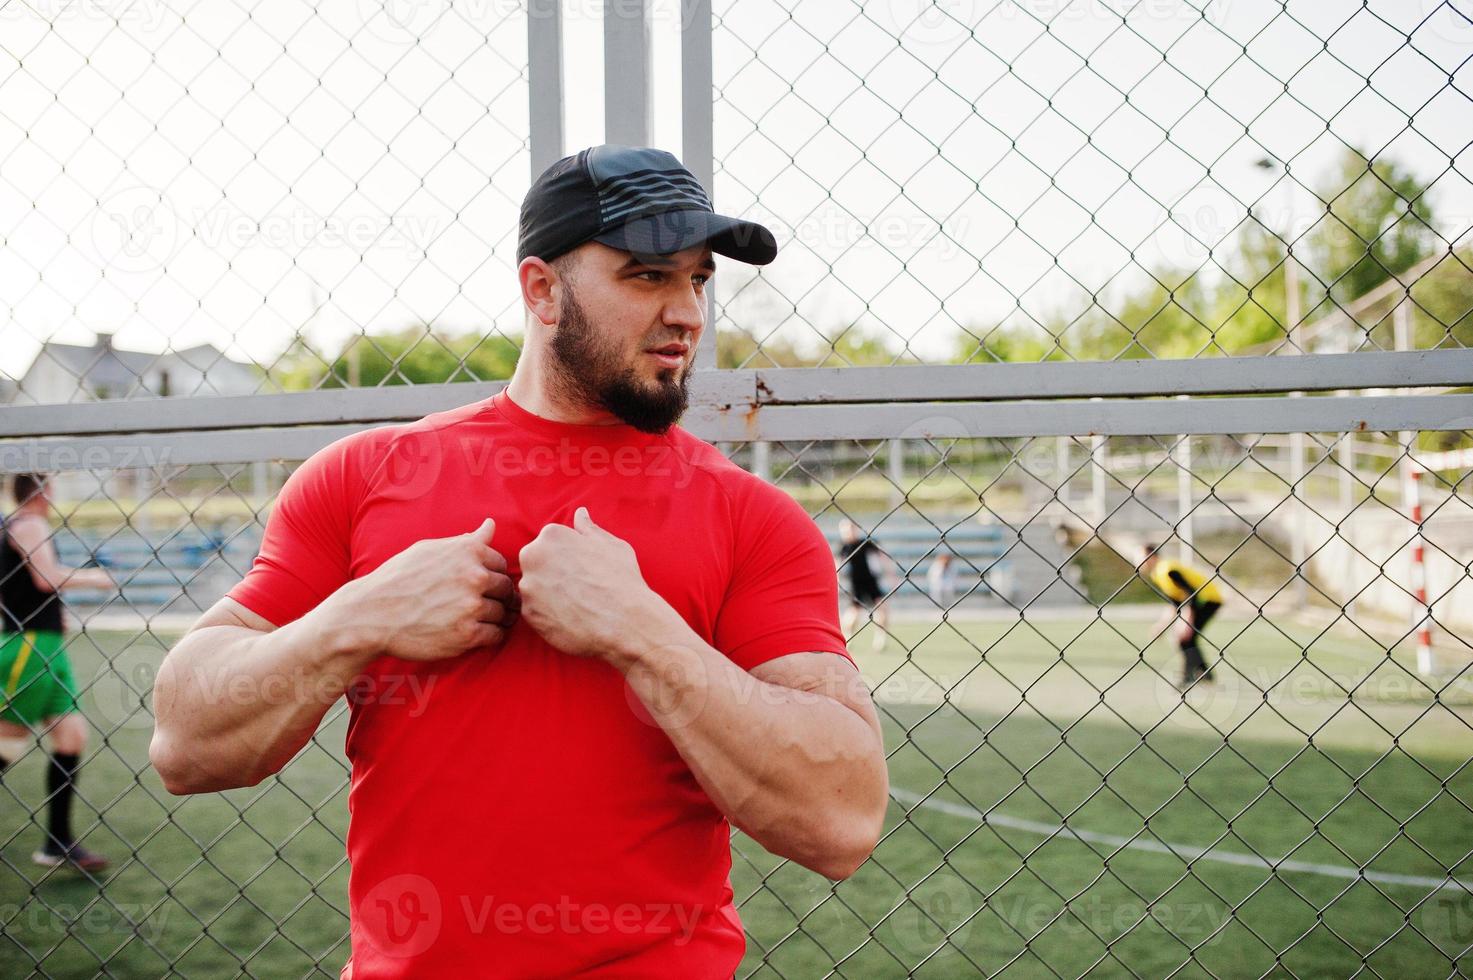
{"points": [[784, 596], [304, 556]]}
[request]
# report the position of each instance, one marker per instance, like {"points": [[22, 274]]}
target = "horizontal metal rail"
{"points": [[1117, 379], [784, 386], [387, 404], [1211, 416], [787, 423]]}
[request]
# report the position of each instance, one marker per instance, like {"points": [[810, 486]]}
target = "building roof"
{"points": [[101, 365]]}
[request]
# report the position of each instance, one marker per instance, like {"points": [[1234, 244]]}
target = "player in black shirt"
{"points": [[862, 562], [39, 694]]}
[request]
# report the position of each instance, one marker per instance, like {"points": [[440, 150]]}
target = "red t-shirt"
{"points": [[516, 812]]}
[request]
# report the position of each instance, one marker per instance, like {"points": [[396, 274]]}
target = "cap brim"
{"points": [[662, 234]]}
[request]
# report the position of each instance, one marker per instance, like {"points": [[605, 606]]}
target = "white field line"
{"points": [[1185, 852]]}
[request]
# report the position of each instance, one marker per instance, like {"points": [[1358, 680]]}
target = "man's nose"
{"points": [[686, 309]]}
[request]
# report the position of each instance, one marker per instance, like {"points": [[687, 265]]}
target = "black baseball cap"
{"points": [[634, 198]]}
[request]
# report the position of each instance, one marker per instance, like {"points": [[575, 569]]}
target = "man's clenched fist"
{"points": [[581, 587], [439, 597]]}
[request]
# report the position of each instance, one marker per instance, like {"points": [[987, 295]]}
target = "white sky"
{"points": [[375, 165]]}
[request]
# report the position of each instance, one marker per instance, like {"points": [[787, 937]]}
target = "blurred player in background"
{"points": [[862, 561], [1197, 599], [941, 580], [39, 696]]}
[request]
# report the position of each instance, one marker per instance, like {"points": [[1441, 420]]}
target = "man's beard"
{"points": [[592, 370]]}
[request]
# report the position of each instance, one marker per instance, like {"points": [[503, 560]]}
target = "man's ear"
{"points": [[538, 280]]}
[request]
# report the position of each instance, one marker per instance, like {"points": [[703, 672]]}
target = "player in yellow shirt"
{"points": [[1197, 599]]}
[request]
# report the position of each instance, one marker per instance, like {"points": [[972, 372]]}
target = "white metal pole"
{"points": [[1299, 516], [1098, 462], [1061, 466], [1421, 614], [1184, 496], [896, 467], [1401, 340], [627, 91], [762, 460], [1097, 454], [545, 83], [1411, 491], [697, 134]]}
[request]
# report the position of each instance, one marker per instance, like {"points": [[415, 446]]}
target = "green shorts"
{"points": [[36, 677]]}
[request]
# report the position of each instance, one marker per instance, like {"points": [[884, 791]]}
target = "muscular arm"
{"points": [[236, 698], [792, 752], [31, 537]]}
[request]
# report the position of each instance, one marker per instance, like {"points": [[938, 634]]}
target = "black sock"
{"points": [[4, 764], [1195, 664], [61, 780]]}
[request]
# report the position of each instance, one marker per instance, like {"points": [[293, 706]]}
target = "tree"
{"points": [[836, 347], [1377, 223], [416, 355]]}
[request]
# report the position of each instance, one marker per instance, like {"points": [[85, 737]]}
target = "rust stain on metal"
{"points": [[750, 421], [762, 390]]}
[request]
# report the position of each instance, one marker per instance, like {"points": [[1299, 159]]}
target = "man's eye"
{"points": [[657, 276], [701, 280]]}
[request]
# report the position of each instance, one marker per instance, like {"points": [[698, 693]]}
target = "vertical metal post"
{"points": [[1346, 452], [1421, 614], [1401, 330], [1299, 515], [762, 460], [1097, 455], [627, 73], [697, 135], [545, 83], [896, 469], [1061, 464], [1097, 478], [1184, 496]]}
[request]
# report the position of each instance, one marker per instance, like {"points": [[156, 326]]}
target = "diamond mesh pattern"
{"points": [[257, 198], [979, 180], [243, 198], [1060, 806]]}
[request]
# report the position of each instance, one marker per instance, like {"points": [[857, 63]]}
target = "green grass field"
{"points": [[1035, 724]]}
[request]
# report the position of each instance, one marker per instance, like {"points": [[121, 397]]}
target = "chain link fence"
{"points": [[1060, 805], [1015, 229], [972, 181]]}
